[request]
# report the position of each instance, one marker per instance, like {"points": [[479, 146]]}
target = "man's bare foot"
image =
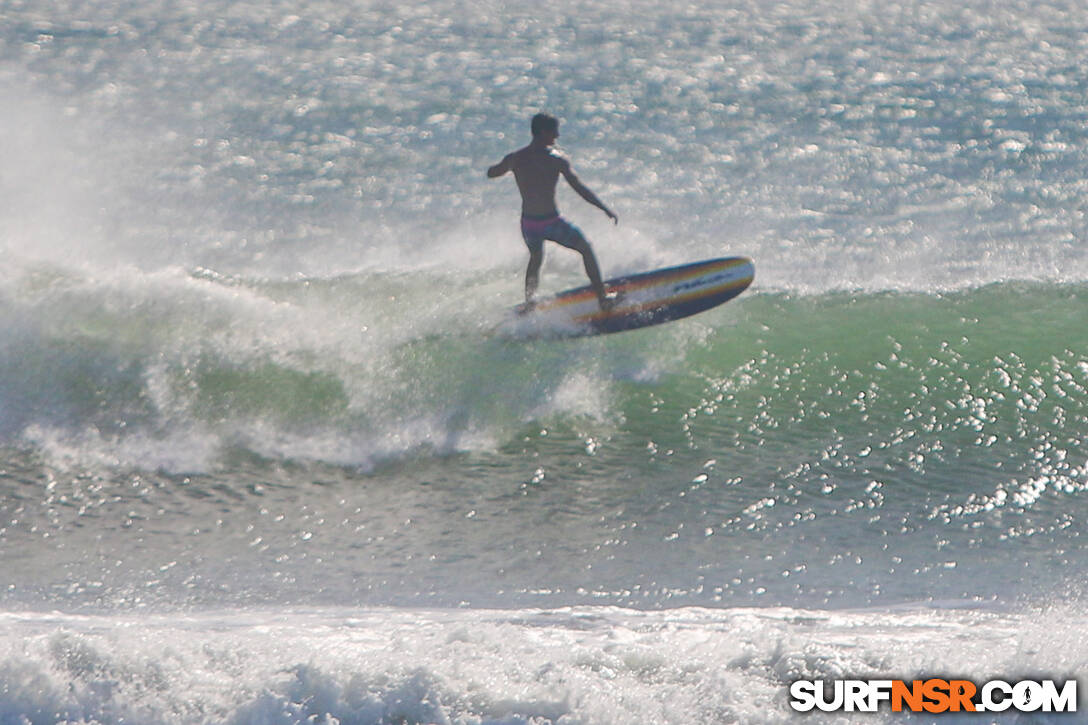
{"points": [[610, 300]]}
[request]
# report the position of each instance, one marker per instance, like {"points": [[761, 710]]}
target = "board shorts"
{"points": [[534, 230]]}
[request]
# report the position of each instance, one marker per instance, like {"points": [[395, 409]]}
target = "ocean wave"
{"points": [[134, 368]]}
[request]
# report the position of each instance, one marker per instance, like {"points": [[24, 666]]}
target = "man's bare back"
{"points": [[537, 168], [537, 174]]}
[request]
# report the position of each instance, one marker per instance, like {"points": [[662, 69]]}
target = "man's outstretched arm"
{"points": [[501, 168], [585, 193]]}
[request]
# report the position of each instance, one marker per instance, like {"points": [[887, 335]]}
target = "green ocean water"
{"points": [[840, 447]]}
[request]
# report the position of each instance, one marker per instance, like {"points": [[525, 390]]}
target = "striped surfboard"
{"points": [[648, 298]]}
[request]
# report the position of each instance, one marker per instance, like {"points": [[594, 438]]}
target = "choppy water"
{"points": [[262, 459]]}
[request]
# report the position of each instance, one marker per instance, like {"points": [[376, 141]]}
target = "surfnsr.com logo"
{"points": [[933, 696]]}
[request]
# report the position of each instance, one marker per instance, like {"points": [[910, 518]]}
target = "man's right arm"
{"points": [[501, 168]]}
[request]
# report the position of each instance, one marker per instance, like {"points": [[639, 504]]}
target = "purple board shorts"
{"points": [[554, 227]]}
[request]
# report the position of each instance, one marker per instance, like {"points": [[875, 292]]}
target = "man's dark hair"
{"points": [[542, 123]]}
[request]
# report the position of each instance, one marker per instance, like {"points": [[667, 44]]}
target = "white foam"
{"points": [[478, 666]]}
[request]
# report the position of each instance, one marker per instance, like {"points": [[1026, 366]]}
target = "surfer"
{"points": [[537, 168]]}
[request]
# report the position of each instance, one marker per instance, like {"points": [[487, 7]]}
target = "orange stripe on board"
{"points": [[658, 304]]}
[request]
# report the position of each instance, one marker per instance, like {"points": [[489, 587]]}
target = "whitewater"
{"points": [[263, 460]]}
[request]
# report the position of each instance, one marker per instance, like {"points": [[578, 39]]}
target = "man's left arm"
{"points": [[585, 193]]}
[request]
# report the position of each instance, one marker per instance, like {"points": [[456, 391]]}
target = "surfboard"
{"points": [[647, 298]]}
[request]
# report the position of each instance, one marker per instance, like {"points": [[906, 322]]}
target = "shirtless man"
{"points": [[536, 169]]}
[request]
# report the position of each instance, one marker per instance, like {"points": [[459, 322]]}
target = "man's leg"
{"points": [[593, 271], [532, 272], [571, 237]]}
